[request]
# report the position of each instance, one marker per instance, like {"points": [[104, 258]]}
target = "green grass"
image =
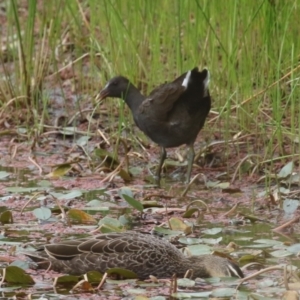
{"points": [[250, 47]]}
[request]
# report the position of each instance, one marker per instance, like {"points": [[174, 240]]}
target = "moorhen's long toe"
{"points": [[173, 114]]}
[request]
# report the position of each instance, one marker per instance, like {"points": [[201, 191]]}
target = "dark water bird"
{"points": [[143, 254], [172, 115]]}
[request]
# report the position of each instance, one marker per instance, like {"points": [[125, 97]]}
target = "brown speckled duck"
{"points": [[143, 254], [172, 115]]}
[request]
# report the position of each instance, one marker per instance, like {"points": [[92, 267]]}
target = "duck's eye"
{"points": [[114, 83]]}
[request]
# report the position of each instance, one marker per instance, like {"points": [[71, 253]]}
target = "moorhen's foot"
{"points": [[172, 115]]}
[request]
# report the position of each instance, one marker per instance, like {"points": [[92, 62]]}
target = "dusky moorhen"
{"points": [[143, 254], [173, 113]]}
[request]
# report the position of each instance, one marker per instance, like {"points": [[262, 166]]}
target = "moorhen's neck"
{"points": [[133, 98]]}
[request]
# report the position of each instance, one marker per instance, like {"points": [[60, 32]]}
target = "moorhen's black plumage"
{"points": [[173, 113], [143, 254]]}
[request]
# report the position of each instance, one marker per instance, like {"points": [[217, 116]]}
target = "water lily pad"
{"points": [[42, 213], [122, 272], [286, 170], [60, 171], [15, 274], [111, 160], [290, 205], [294, 248], [281, 253], [223, 292], [67, 279], [213, 231], [20, 264], [83, 140], [94, 276], [80, 216], [4, 174], [68, 196], [134, 203], [69, 130], [6, 217], [268, 242], [185, 282], [199, 249], [187, 295], [178, 224]]}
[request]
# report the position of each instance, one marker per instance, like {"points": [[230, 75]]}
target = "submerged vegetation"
{"points": [[58, 143]]}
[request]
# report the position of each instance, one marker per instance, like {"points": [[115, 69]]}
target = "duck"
{"points": [[172, 115], [144, 254]]}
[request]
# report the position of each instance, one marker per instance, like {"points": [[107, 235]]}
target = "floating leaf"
{"points": [[294, 179], [110, 221], [199, 249], [94, 276], [69, 130], [125, 191], [60, 171], [286, 170], [223, 292], [17, 189], [290, 205], [177, 224], [185, 282], [20, 264], [83, 140], [189, 213], [134, 203], [189, 241], [161, 230], [80, 216], [42, 213], [67, 279], [269, 242], [217, 184], [122, 272], [15, 274], [294, 248], [213, 231], [281, 253], [124, 175], [106, 228], [111, 160], [4, 174], [6, 217]]}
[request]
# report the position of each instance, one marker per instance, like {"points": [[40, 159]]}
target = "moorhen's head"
{"points": [[117, 87]]}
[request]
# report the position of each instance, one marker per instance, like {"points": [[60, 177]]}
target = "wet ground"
{"points": [[58, 187]]}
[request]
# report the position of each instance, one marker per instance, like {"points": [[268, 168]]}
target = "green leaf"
{"points": [[68, 279], [6, 217], [60, 171], [42, 213], [15, 274], [122, 272], [134, 203], [80, 216], [94, 276], [286, 170]]}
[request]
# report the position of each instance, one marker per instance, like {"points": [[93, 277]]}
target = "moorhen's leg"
{"points": [[190, 157], [163, 155]]}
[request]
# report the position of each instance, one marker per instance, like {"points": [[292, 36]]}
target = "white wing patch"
{"points": [[206, 83], [206, 80], [186, 79]]}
